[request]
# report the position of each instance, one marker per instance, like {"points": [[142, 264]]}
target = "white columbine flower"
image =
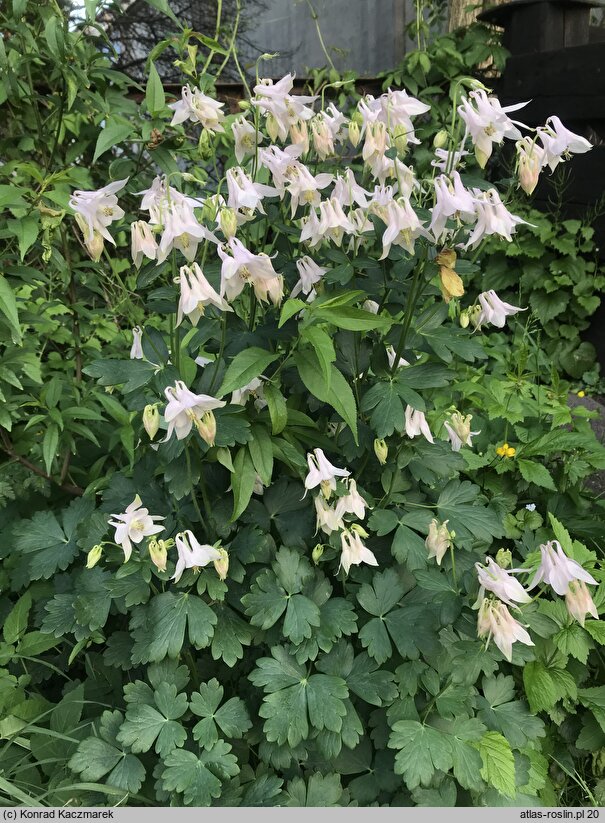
{"points": [[494, 310], [403, 227], [185, 409], [348, 191], [136, 350], [196, 106], [459, 430], [531, 158], [98, 209], [310, 274], [242, 267], [133, 525], [492, 218], [196, 294], [558, 570], [354, 552], [559, 143], [245, 138], [192, 554], [416, 424], [496, 621], [254, 389], [244, 193], [282, 109], [392, 354], [328, 519], [497, 580], [451, 200], [322, 473], [488, 122], [304, 188], [352, 502], [142, 242]]}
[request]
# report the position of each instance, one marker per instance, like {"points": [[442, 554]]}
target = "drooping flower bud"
{"points": [[317, 553], [94, 245], [158, 551], [464, 318], [381, 450], [579, 602], [354, 134], [227, 220], [438, 540], [272, 127], [222, 564], [94, 555], [400, 139], [206, 426], [440, 139], [205, 145], [359, 530], [504, 558], [151, 420], [474, 314]]}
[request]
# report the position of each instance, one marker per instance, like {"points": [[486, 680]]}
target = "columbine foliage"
{"points": [[248, 348]]}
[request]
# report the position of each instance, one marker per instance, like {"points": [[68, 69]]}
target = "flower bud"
{"points": [[359, 530], [158, 551], [354, 134], [205, 145], [222, 564], [474, 314], [579, 602], [244, 105], [95, 245], [272, 127], [465, 318], [206, 427], [317, 553], [227, 220], [504, 558], [94, 555], [440, 140], [151, 420], [400, 139], [381, 450], [481, 157], [438, 540]]}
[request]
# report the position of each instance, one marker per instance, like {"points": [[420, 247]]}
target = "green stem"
{"points": [[416, 289], [196, 505], [454, 566]]}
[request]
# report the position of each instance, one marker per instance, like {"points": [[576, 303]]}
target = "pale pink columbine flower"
{"points": [[531, 159], [488, 122], [492, 217], [328, 519], [416, 424], [451, 200], [403, 227], [244, 193], [142, 242], [459, 430], [98, 209], [322, 473], [133, 525], [245, 138], [299, 135], [352, 502], [353, 551], [376, 142], [558, 570], [497, 580], [241, 267], [392, 354], [445, 159], [494, 310], [496, 621], [559, 143], [196, 106], [579, 602], [310, 274], [438, 540], [323, 139], [136, 350], [186, 409], [196, 294], [282, 109], [192, 554], [348, 191]]}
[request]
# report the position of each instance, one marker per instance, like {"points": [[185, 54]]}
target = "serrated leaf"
{"points": [[536, 473], [301, 615], [498, 763], [199, 779], [421, 751]]}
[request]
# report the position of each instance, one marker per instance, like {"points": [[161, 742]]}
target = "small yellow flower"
{"points": [[506, 451], [511, 452], [581, 393]]}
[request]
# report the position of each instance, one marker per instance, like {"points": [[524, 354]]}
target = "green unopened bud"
{"points": [[504, 558], [151, 420], [94, 245], [206, 427], [381, 450], [222, 564], [400, 139], [227, 220], [464, 318], [354, 134], [357, 117], [272, 127], [205, 145], [359, 529], [244, 105], [317, 553], [481, 157], [94, 555], [474, 314], [440, 140], [158, 551]]}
